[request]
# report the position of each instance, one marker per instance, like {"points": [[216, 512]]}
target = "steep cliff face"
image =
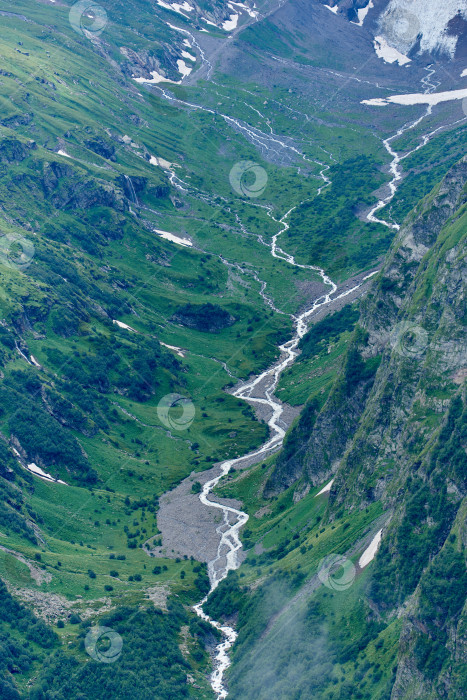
{"points": [[394, 430], [416, 321], [315, 447], [433, 643], [413, 328]]}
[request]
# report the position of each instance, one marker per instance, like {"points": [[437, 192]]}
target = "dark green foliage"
{"points": [[357, 370], [327, 330], [64, 322], [69, 415], [6, 338], [150, 665], [132, 368], [425, 170], [226, 600], [451, 454], [202, 581], [13, 516], [443, 589], [8, 465], [346, 644], [209, 318], [402, 558], [442, 597], [19, 656], [331, 213], [196, 487], [429, 655], [294, 440], [44, 439], [7, 691], [20, 618]]}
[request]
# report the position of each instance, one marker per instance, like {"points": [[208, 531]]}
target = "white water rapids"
{"points": [[233, 520], [395, 166]]}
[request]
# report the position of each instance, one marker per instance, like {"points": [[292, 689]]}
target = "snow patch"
{"points": [[34, 469], [35, 362], [333, 9], [183, 68], [420, 98], [162, 163], [156, 78], [120, 324], [62, 153], [178, 29], [370, 552], [388, 53], [176, 7], [252, 12], [209, 22], [231, 23], [464, 73], [326, 488], [189, 56], [175, 239], [362, 13], [405, 22], [372, 274], [173, 347]]}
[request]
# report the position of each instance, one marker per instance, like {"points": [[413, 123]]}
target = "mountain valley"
{"points": [[233, 349]]}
